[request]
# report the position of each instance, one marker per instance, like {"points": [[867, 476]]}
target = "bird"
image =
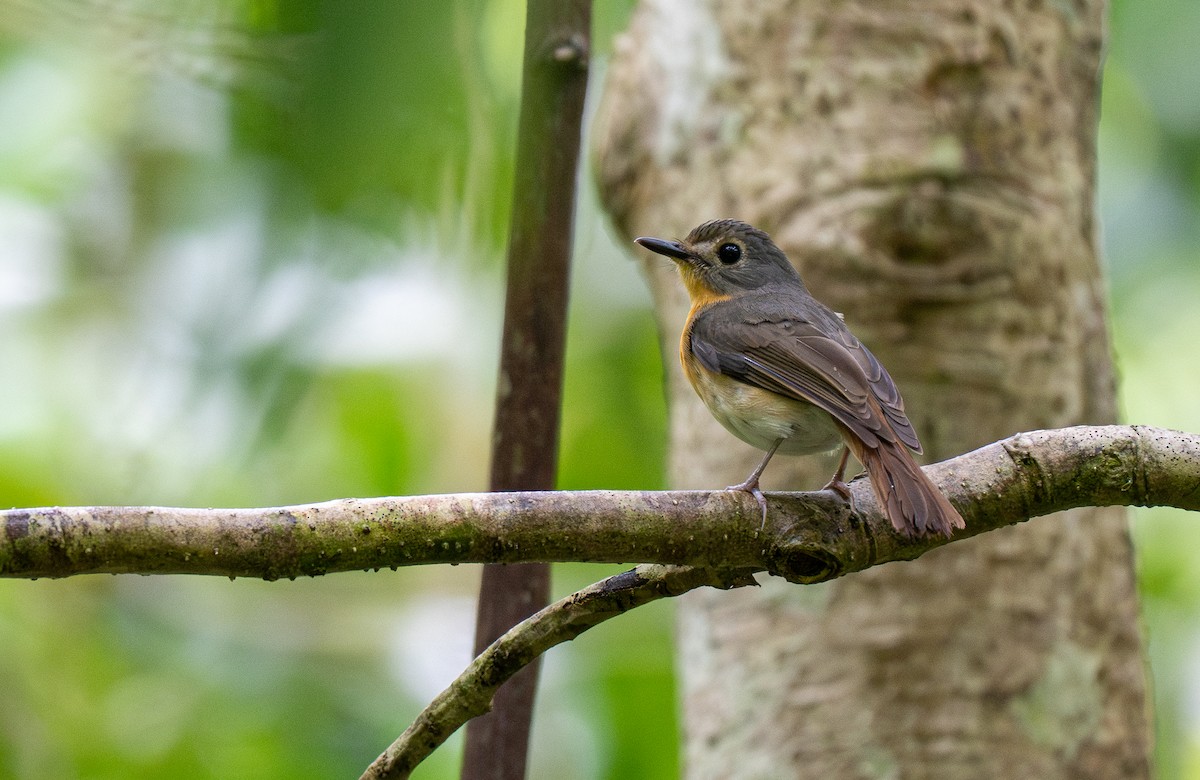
{"points": [[782, 372]]}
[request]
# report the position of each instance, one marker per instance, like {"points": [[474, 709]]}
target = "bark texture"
{"points": [[929, 167]]}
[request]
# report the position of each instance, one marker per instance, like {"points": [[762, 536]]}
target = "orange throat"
{"points": [[702, 296], [698, 289]]}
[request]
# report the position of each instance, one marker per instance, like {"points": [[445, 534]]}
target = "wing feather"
{"points": [[807, 354]]}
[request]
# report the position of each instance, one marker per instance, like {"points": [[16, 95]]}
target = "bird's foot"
{"points": [[751, 486], [839, 486], [837, 482]]}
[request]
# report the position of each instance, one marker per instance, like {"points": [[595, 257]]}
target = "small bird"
{"points": [[782, 372]]}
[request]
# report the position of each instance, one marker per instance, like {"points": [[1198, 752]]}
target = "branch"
{"points": [[529, 391], [1123, 463], [470, 695], [809, 537]]}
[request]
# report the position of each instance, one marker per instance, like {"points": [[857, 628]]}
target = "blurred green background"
{"points": [[226, 229]]}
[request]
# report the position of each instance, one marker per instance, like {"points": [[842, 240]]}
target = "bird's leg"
{"points": [[837, 483], [751, 484]]}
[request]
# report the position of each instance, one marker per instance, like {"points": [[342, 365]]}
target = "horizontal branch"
{"points": [[808, 537]]}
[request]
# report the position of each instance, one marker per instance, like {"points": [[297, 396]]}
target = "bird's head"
{"points": [[725, 257]]}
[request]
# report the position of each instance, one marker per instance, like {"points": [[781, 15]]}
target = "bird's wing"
{"points": [[811, 358]]}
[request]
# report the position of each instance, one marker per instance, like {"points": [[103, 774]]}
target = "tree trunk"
{"points": [[929, 166]]}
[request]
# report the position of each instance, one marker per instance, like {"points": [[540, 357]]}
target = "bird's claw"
{"points": [[838, 486], [751, 486]]}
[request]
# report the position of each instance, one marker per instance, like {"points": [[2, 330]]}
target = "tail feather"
{"points": [[915, 507]]}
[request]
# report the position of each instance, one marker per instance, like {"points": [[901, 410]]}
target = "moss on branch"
{"points": [[809, 537]]}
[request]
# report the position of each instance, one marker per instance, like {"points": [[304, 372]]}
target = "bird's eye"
{"points": [[729, 253]]}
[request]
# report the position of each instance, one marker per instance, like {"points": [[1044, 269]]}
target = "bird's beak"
{"points": [[671, 249]]}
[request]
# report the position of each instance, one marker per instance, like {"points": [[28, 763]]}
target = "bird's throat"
{"points": [[699, 290]]}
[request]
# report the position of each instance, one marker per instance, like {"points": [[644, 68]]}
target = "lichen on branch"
{"points": [[808, 537]]}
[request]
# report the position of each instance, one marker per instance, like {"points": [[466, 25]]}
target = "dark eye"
{"points": [[729, 253]]}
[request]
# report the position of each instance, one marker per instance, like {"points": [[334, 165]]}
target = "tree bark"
{"points": [[929, 166]]}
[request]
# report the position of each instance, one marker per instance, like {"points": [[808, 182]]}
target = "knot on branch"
{"points": [[804, 564]]}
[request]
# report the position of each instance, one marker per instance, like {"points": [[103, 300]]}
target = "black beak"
{"points": [[671, 249]]}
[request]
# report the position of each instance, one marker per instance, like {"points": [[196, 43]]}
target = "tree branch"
{"points": [[1039, 472], [529, 390], [809, 537], [470, 695]]}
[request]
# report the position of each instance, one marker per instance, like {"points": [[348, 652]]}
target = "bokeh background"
{"points": [[251, 254]]}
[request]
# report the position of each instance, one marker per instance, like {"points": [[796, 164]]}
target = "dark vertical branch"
{"points": [[525, 438]]}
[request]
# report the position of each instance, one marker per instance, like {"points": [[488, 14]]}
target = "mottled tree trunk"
{"points": [[929, 165]]}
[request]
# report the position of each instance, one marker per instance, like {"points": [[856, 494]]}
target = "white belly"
{"points": [[760, 417]]}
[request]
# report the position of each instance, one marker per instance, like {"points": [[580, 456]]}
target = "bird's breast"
{"points": [[760, 417]]}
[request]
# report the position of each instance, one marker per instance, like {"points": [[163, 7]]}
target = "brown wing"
{"points": [[800, 349]]}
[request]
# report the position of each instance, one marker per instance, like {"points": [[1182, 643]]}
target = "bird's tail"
{"points": [[915, 507]]}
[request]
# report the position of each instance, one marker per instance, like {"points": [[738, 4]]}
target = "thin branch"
{"points": [[529, 391], [470, 695], [809, 537]]}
